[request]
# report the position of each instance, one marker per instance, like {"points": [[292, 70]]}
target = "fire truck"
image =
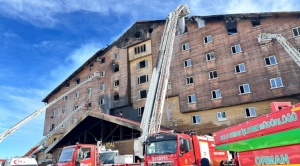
{"points": [[89, 154], [182, 149]]}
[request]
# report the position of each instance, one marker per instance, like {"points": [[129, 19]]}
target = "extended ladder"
{"points": [[293, 52]]}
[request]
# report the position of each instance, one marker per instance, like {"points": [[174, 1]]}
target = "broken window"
{"points": [[236, 49], [207, 39], [137, 34], [116, 83], [240, 68], [187, 63], [185, 46], [213, 74], [255, 23], [244, 89], [77, 81], [101, 60], [231, 27], [189, 80], [196, 119], [221, 116], [141, 111], [192, 98], [216, 94], [142, 64], [142, 94], [116, 97], [142, 79], [67, 84], [271, 60], [250, 112], [210, 56], [116, 68], [296, 31]]}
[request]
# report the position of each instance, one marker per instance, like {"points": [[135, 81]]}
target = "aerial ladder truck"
{"points": [[157, 148], [34, 114]]}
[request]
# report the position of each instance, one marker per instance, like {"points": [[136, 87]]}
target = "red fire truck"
{"points": [[174, 149], [271, 139], [88, 155]]}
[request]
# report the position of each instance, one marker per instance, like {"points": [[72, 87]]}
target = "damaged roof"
{"points": [[146, 26]]}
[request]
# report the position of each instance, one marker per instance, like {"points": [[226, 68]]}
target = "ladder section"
{"points": [[159, 81], [34, 114], [293, 52]]}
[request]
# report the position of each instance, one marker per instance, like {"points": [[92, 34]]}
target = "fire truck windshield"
{"points": [[161, 147], [66, 155]]}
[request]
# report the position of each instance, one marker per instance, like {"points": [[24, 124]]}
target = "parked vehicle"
{"points": [[21, 161], [271, 139], [174, 149], [89, 154]]}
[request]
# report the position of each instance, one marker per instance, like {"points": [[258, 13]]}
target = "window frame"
{"points": [[187, 63], [196, 119], [189, 80], [205, 39], [239, 67], [89, 90], [250, 116], [116, 83], [141, 111], [139, 94], [191, 99], [211, 75], [298, 31], [77, 94], [235, 48], [102, 73], [102, 87], [276, 82], [101, 101], [185, 46], [138, 64], [269, 59], [139, 79], [214, 91], [221, 117], [210, 55], [242, 85]]}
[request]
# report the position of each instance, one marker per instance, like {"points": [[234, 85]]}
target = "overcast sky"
{"points": [[44, 41]]}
